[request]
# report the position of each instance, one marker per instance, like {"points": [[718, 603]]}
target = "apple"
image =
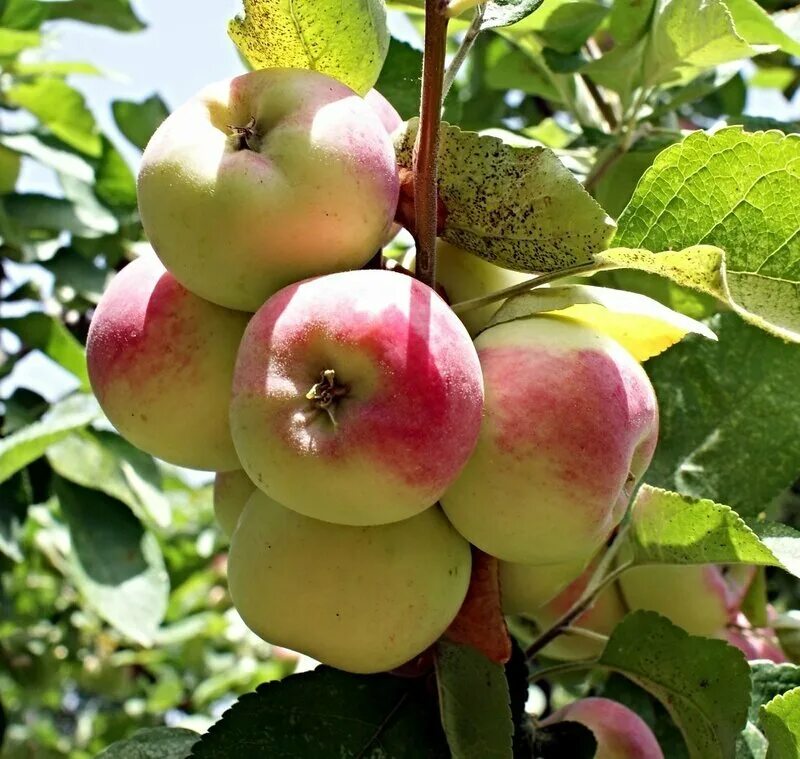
{"points": [[570, 425], [363, 599], [605, 613], [526, 587], [620, 732], [464, 276], [755, 642], [161, 365], [357, 397], [264, 180], [231, 492], [700, 598], [384, 110]]}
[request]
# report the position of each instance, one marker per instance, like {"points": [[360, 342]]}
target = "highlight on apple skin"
{"points": [[700, 598], [384, 110], [232, 490], [464, 276], [620, 732], [363, 599], [357, 397], [570, 425], [161, 365], [264, 180]]}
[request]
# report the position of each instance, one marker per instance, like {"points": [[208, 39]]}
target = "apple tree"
{"points": [[479, 324]]}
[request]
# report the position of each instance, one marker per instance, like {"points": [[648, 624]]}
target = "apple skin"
{"points": [[526, 587], [411, 411], [161, 365], [464, 276], [619, 731], [697, 597], [601, 617], [755, 642], [232, 490], [317, 192], [570, 424], [384, 110], [363, 599]]}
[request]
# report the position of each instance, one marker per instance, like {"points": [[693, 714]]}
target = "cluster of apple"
{"points": [[363, 441]]}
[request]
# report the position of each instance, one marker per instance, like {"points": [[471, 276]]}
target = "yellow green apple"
{"points": [[231, 492]]}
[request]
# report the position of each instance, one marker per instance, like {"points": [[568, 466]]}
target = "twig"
{"points": [[585, 632], [426, 150], [561, 669], [523, 287], [602, 104], [463, 50]]}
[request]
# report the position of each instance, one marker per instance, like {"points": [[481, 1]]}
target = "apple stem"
{"points": [[426, 150], [463, 50]]}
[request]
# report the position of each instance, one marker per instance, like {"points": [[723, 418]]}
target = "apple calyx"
{"points": [[326, 393], [246, 137]]}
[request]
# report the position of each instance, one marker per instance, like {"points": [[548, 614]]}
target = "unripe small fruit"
{"points": [[266, 179], [232, 490], [357, 397], [363, 599], [570, 425], [526, 587], [620, 732], [161, 365]]}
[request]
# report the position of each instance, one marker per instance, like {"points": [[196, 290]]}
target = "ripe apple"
{"points": [[231, 492], [363, 599], [755, 642], [465, 276], [357, 397], [700, 598], [620, 732], [266, 179], [526, 587], [601, 617], [384, 110], [570, 425], [161, 365]]}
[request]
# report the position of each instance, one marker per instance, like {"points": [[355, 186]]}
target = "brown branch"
{"points": [[426, 150], [602, 104]]}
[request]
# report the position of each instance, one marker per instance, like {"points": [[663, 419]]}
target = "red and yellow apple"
{"points": [[264, 180], [526, 587], [620, 732], [232, 490], [357, 397], [570, 425], [161, 365], [363, 599]]}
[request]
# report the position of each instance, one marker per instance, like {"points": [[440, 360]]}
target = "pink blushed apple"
{"points": [[266, 179], [620, 732], [357, 397], [570, 425], [161, 365]]}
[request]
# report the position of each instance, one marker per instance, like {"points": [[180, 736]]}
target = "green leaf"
{"points": [[56, 68], [61, 109], [107, 462], [508, 67], [751, 744], [724, 408], [506, 203], [506, 12], [50, 336], [115, 14], [72, 270], [563, 25], [23, 14], [153, 743], [115, 185], [138, 121], [668, 528], [15, 497], [330, 713], [474, 702], [346, 39], [739, 192], [51, 153], [703, 683], [770, 680], [758, 27], [782, 540], [400, 81], [27, 445], [42, 213], [629, 20], [644, 326], [780, 719], [689, 36], [114, 562], [13, 41]]}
